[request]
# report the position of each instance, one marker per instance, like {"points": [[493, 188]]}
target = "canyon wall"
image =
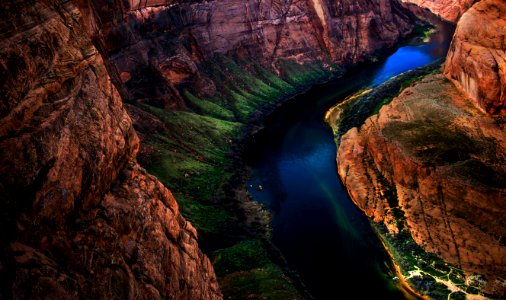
{"points": [[153, 50], [434, 164], [80, 219], [476, 62], [450, 10], [441, 162]]}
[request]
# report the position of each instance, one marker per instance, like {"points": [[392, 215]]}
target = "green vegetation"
{"points": [[422, 32], [262, 283], [262, 277], [457, 296], [194, 156], [246, 255], [364, 104], [428, 277], [424, 271], [430, 287]]}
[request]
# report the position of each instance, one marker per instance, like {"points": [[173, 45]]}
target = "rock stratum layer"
{"points": [[80, 218], [155, 50], [440, 159], [450, 10], [476, 62]]}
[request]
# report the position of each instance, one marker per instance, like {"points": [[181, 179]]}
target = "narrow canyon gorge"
{"points": [[123, 126]]}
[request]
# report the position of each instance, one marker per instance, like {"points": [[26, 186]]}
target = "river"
{"points": [[315, 224]]}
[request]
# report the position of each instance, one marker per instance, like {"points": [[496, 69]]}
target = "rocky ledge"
{"points": [[432, 163]]}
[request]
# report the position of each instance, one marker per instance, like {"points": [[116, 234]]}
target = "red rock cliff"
{"points": [[450, 10], [443, 163], [80, 219], [434, 156], [476, 62], [168, 43]]}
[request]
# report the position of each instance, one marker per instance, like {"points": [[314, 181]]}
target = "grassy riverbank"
{"points": [[355, 109], [196, 153]]}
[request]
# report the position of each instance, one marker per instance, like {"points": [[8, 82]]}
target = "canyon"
{"points": [[89, 87], [122, 123], [169, 41], [430, 165]]}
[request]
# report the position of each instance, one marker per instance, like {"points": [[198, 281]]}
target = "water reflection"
{"points": [[315, 225]]}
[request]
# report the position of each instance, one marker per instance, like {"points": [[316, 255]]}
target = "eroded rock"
{"points": [[80, 219], [476, 62], [450, 10], [153, 50], [433, 155]]}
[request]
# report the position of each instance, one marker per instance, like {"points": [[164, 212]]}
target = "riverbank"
{"points": [[352, 112], [197, 154], [356, 108], [394, 221]]}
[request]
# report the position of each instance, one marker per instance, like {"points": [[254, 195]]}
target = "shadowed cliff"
{"points": [[80, 218]]}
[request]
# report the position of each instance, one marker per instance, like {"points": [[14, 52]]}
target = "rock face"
{"points": [[154, 50], [441, 161], [80, 218], [476, 62], [450, 10]]}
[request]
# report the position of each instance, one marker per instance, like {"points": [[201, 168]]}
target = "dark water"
{"points": [[315, 225]]}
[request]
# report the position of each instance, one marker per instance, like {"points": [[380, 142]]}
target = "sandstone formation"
{"points": [[476, 62], [80, 219], [434, 154], [153, 50], [442, 162], [450, 10]]}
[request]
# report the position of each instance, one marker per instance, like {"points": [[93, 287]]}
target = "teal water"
{"points": [[315, 224]]}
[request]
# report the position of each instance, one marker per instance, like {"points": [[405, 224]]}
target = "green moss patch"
{"points": [[246, 255], [193, 156], [261, 283]]}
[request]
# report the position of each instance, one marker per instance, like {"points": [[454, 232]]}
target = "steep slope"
{"points": [[202, 70], [431, 166], [476, 62], [83, 219], [450, 10], [80, 218], [156, 49]]}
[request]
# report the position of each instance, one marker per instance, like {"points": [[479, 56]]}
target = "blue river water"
{"points": [[321, 233]]}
